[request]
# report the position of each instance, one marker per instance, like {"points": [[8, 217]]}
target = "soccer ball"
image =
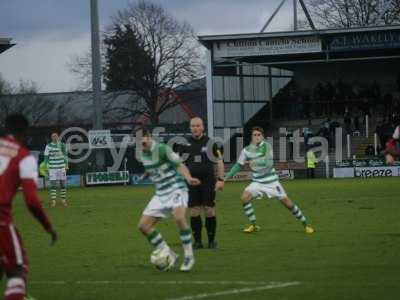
{"points": [[161, 259]]}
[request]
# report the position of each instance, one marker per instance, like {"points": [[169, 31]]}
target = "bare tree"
{"points": [[170, 47], [354, 13], [80, 65], [172, 57], [5, 87], [122, 106]]}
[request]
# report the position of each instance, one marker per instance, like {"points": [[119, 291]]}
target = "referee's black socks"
{"points": [[196, 224], [211, 226]]}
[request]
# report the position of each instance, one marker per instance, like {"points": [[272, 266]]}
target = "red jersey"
{"points": [[18, 168]]}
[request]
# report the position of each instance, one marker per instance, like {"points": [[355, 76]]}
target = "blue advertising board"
{"points": [[135, 180], [74, 180], [365, 41]]}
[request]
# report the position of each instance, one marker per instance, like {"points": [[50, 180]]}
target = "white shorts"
{"points": [[57, 174], [271, 190], [162, 207]]}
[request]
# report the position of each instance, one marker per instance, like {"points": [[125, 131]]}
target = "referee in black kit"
{"points": [[202, 165]]}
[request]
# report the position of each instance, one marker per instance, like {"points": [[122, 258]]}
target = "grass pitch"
{"points": [[354, 254]]}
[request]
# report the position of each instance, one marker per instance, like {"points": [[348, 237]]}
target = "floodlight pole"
{"points": [[96, 77], [295, 22], [96, 66]]}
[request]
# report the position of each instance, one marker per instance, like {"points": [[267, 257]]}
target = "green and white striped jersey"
{"points": [[161, 163], [260, 159], [55, 156]]}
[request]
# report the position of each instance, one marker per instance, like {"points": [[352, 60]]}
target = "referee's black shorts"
{"points": [[202, 195]]}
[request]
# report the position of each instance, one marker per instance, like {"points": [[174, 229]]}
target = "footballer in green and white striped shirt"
{"points": [[56, 159], [170, 176], [265, 180]]}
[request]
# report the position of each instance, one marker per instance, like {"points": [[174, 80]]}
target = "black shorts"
{"points": [[202, 195]]}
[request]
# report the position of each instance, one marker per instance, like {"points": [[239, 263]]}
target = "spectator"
{"points": [[365, 107], [329, 96], [308, 132], [387, 103], [307, 107], [347, 121], [356, 90], [379, 132], [340, 90], [378, 149], [300, 107], [375, 90], [318, 96], [332, 130], [327, 123], [319, 92], [289, 136], [356, 123], [370, 151], [329, 91], [333, 125], [324, 130]]}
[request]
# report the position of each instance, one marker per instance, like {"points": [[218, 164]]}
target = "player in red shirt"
{"points": [[392, 150], [17, 168]]}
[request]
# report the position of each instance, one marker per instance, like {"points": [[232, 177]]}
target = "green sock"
{"points": [[53, 194], [249, 211], [299, 214], [63, 194], [156, 240]]}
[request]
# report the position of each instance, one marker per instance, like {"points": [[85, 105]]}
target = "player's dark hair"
{"points": [[257, 128], [16, 124], [145, 131]]}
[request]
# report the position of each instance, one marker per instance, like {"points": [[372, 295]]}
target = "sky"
{"points": [[49, 33]]}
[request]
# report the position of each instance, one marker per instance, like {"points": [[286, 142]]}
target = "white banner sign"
{"points": [[99, 139], [260, 47], [371, 172], [366, 172], [246, 175], [241, 176], [343, 172], [97, 178], [285, 174]]}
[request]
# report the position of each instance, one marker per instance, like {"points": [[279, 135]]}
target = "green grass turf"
{"points": [[354, 254]]}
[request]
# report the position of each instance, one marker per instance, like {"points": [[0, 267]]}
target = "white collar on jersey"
{"points": [[260, 144], [153, 145]]}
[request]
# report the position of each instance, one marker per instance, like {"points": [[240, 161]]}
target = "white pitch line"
{"points": [[162, 282], [54, 282], [238, 291]]}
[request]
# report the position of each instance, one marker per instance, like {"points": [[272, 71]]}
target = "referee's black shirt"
{"points": [[198, 162]]}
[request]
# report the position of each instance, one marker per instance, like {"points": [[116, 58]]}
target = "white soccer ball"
{"points": [[160, 258]]}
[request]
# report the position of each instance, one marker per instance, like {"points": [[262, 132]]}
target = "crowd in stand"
{"points": [[339, 100], [326, 130], [334, 99], [384, 129]]}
